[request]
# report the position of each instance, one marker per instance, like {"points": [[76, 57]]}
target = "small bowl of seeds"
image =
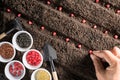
{"points": [[14, 70], [41, 74], [22, 40], [7, 52]]}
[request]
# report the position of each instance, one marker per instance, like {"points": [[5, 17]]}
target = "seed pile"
{"points": [[42, 75], [23, 40], [33, 58], [6, 51], [16, 69]]}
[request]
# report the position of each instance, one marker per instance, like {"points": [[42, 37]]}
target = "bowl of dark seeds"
{"points": [[22, 40]]}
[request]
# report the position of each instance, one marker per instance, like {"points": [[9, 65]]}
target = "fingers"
{"points": [[98, 65], [116, 52], [107, 55]]}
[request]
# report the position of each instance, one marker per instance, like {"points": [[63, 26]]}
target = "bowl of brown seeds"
{"points": [[7, 52]]}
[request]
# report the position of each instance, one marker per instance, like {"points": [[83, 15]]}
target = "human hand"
{"points": [[112, 57]]}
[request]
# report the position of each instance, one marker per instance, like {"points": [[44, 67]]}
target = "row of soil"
{"points": [[55, 4], [95, 13]]}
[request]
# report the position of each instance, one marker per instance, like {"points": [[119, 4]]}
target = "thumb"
{"points": [[97, 64]]}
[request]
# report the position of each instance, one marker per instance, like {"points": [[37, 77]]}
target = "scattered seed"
{"points": [[54, 33], [83, 21], [8, 10], [67, 39], [116, 36]]}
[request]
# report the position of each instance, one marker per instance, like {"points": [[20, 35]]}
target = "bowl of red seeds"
{"points": [[32, 59], [15, 70]]}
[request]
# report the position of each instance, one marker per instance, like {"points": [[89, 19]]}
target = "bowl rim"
{"points": [[28, 65], [15, 43], [7, 60], [34, 72], [8, 74]]}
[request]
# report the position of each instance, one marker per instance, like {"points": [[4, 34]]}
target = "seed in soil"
{"points": [[30, 22], [33, 58], [6, 51], [48, 2], [8, 10], [60, 8], [72, 15], [105, 32], [94, 26], [116, 36], [118, 11], [79, 46], [107, 5], [19, 15], [67, 39], [54, 33], [16, 69], [42, 27], [83, 21], [23, 40]]}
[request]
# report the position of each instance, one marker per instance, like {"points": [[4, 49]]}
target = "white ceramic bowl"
{"points": [[7, 60], [8, 74], [15, 43], [33, 74], [27, 65]]}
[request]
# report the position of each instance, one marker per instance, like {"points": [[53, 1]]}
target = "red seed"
{"points": [[19, 15], [107, 6], [48, 2], [72, 15], [97, 1], [105, 32], [42, 27], [30, 22], [54, 33], [116, 36], [118, 11], [8, 10], [67, 39], [90, 52], [83, 21], [94, 26], [60, 8], [79, 46]]}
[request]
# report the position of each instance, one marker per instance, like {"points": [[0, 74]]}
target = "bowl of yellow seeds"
{"points": [[41, 74]]}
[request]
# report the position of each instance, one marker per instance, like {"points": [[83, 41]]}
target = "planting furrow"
{"points": [[94, 13], [55, 4], [62, 23]]}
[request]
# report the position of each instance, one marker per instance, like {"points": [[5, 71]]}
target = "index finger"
{"points": [[107, 55]]}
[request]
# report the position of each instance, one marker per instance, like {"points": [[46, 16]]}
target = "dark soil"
{"points": [[73, 63]]}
